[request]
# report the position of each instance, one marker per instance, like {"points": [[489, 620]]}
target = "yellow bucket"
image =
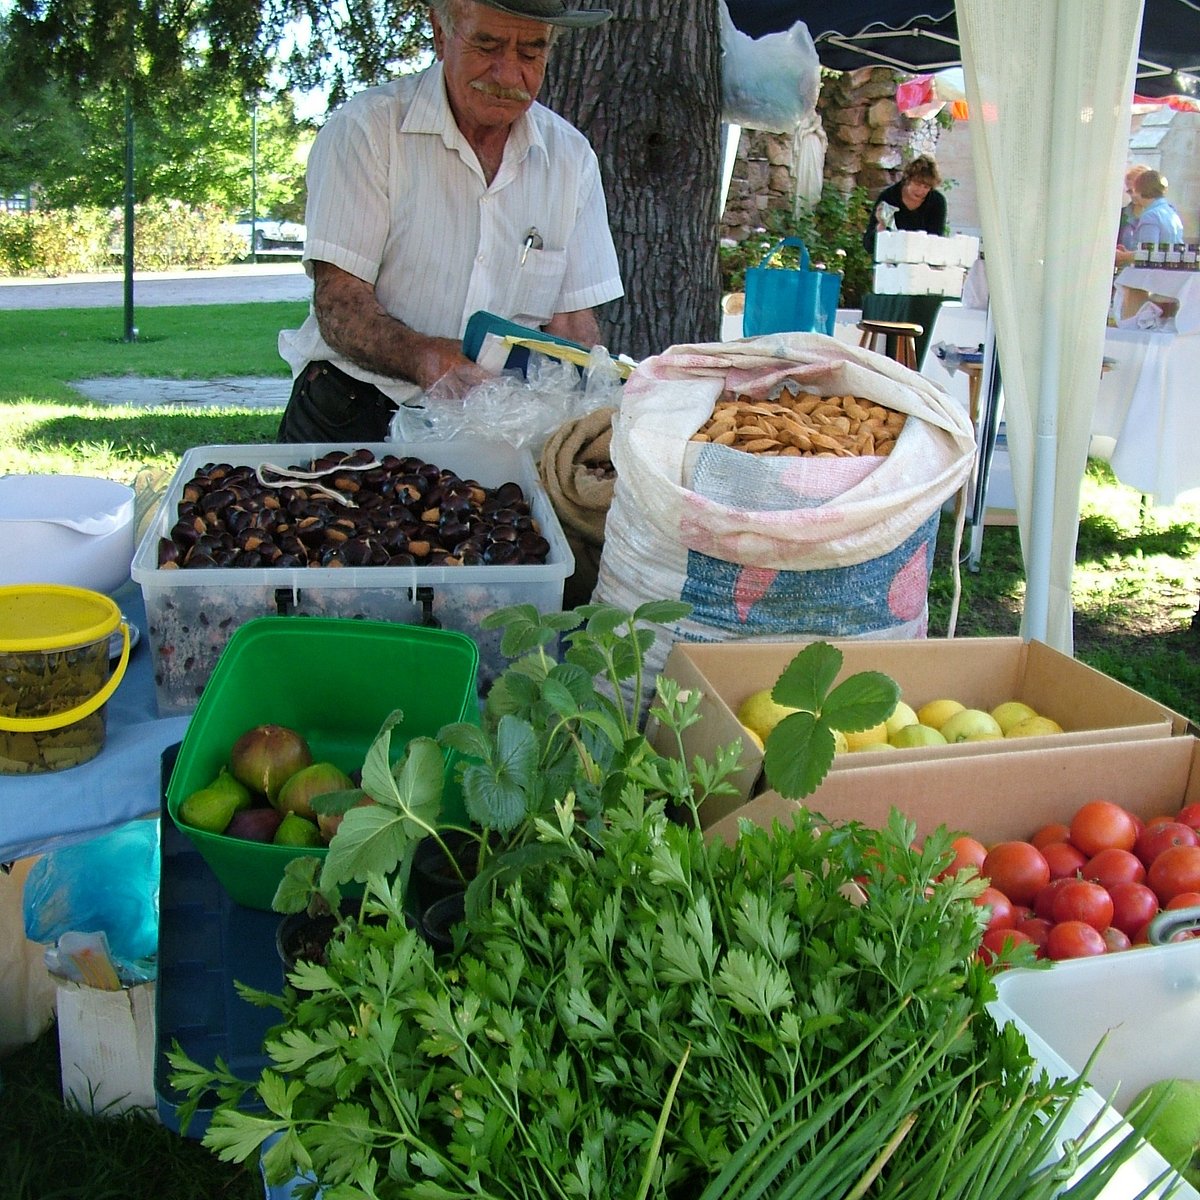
{"points": [[54, 675]]}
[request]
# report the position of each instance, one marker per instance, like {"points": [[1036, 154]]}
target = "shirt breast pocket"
{"points": [[536, 286]]}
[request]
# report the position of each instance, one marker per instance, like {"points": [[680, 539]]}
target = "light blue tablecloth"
{"points": [[122, 782]]}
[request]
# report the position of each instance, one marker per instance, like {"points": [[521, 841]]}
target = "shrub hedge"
{"points": [[51, 242]]}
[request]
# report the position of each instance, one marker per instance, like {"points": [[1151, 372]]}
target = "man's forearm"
{"points": [[355, 324]]}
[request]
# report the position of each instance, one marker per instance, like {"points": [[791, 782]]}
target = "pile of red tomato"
{"points": [[1088, 887]]}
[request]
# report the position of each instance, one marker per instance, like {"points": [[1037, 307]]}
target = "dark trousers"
{"points": [[327, 405]]}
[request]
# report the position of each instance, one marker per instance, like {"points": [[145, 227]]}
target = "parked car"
{"points": [[270, 233]]}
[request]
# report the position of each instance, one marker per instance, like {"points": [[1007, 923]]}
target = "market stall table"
{"points": [[118, 785], [1135, 284]]}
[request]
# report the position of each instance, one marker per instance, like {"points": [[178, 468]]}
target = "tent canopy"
{"points": [[917, 37]]}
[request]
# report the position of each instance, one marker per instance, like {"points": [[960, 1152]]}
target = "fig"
{"points": [[295, 830], [297, 793], [330, 822], [254, 824], [209, 808], [225, 782], [266, 757]]}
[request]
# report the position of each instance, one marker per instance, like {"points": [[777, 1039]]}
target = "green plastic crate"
{"points": [[335, 681]]}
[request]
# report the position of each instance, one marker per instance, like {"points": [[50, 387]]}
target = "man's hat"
{"points": [[552, 12]]}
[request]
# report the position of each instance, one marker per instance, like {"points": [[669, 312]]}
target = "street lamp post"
{"points": [[254, 181]]}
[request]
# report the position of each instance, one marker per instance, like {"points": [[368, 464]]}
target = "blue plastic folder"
{"points": [[482, 323]]}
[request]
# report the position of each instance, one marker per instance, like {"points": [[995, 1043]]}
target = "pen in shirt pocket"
{"points": [[532, 241]]}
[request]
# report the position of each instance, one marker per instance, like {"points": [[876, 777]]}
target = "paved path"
{"points": [[239, 283], [240, 392]]}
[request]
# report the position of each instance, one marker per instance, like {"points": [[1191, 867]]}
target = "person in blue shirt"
{"points": [[1157, 220]]}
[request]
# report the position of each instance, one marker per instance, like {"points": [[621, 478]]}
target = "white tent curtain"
{"points": [[1049, 85]]}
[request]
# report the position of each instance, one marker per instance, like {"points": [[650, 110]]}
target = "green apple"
{"points": [[917, 735], [971, 725], [902, 715], [760, 714], [1167, 1115]]}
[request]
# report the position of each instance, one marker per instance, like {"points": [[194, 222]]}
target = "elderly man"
{"points": [[432, 197]]}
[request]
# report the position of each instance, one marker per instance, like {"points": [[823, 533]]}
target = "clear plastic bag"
{"points": [[523, 410], [771, 82], [106, 885]]}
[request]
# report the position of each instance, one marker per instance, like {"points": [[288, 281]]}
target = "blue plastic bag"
{"points": [[108, 885], [788, 300]]}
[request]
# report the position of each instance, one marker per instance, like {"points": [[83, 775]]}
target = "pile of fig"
{"points": [[267, 790], [348, 509]]}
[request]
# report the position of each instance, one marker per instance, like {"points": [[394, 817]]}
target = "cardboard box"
{"points": [[998, 798], [106, 1048], [979, 672]]}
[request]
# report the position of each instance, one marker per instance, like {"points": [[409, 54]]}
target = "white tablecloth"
{"points": [[1182, 285]]}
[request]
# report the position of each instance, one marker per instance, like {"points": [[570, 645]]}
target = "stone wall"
{"points": [[868, 144]]}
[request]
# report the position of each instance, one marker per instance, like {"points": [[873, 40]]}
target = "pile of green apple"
{"points": [[265, 793], [939, 722]]}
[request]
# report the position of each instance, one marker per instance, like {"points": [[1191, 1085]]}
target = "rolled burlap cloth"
{"points": [[578, 476]]}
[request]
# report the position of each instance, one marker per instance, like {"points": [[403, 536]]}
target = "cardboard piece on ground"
{"points": [[997, 798], [26, 988], [981, 673], [106, 1048]]}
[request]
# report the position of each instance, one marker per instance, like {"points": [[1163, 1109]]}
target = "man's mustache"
{"points": [[501, 93]]}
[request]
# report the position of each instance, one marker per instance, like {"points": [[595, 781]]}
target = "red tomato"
{"points": [[1056, 832], [995, 940], [1154, 839], [1114, 866], [1184, 900], [1074, 939], [1099, 824], [1037, 929], [1082, 900], [1189, 814], [1161, 819], [968, 852], [1043, 902], [1134, 904], [1001, 911], [1175, 870], [1018, 869], [1115, 940], [1064, 861]]}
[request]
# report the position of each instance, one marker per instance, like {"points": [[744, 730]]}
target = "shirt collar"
{"points": [[429, 112]]}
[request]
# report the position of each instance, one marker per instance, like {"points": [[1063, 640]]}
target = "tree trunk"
{"points": [[646, 90]]}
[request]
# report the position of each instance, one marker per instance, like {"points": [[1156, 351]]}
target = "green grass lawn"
{"points": [[1136, 592]]}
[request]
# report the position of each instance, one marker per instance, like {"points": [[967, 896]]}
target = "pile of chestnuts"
{"points": [[348, 509]]}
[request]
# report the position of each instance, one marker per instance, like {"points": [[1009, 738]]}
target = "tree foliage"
{"points": [[645, 88]]}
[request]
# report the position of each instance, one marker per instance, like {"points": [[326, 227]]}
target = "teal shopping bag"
{"points": [[790, 300]]}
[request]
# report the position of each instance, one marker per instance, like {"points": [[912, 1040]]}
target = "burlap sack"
{"points": [[578, 476]]}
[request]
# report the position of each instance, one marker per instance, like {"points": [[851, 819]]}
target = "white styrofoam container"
{"points": [[106, 1048], [1144, 1004], [917, 246], [191, 614], [74, 530]]}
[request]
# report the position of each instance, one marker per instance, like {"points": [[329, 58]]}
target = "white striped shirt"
{"points": [[396, 196]]}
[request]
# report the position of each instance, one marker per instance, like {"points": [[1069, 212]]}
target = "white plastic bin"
{"points": [[191, 614], [1144, 1004]]}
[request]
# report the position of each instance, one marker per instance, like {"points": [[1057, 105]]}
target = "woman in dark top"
{"points": [[915, 201]]}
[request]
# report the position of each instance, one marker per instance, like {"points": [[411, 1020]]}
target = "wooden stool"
{"points": [[901, 339]]}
